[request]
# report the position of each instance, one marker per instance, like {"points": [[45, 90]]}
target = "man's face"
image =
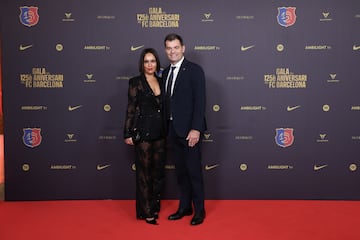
{"points": [[174, 50]]}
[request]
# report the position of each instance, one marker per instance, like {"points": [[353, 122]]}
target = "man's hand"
{"points": [[193, 137]]}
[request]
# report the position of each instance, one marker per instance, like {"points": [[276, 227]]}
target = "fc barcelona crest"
{"points": [[29, 16], [32, 137], [284, 137], [286, 16]]}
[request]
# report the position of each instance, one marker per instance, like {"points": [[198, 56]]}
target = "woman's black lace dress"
{"points": [[144, 112]]}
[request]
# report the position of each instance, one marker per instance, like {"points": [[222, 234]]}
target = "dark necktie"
{"points": [[170, 81], [168, 91]]}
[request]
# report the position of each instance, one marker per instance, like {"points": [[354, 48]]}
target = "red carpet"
{"points": [[226, 219]]}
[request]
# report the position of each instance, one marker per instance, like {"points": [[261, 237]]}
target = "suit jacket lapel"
{"points": [[179, 75], [164, 77]]}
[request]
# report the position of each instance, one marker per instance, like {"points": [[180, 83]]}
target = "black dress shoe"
{"points": [[198, 218], [181, 213]]}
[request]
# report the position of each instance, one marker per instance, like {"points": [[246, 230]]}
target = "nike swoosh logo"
{"points": [[246, 48], [209, 167], [136, 48], [101, 167], [74, 108], [289, 109], [317, 168], [355, 48], [22, 48]]}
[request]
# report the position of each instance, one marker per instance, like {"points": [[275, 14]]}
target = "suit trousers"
{"points": [[188, 168]]}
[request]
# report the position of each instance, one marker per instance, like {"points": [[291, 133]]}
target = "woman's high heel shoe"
{"points": [[151, 221], [156, 216]]}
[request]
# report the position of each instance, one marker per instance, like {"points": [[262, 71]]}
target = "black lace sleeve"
{"points": [[132, 108]]}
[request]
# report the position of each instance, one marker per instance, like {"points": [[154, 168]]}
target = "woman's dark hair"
{"points": [[173, 36], [142, 56]]}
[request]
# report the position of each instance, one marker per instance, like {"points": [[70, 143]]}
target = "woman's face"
{"points": [[149, 64]]}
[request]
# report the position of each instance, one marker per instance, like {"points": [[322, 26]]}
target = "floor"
{"points": [[1, 191], [225, 219], [1, 162]]}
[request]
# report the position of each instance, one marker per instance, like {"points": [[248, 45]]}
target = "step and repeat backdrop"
{"points": [[283, 102]]}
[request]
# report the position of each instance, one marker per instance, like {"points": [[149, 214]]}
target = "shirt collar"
{"points": [[178, 64]]}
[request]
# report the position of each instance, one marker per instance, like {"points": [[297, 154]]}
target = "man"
{"points": [[184, 88]]}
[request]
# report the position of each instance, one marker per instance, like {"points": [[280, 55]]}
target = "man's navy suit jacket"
{"points": [[188, 98]]}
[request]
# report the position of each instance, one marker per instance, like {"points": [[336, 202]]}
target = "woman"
{"points": [[144, 128]]}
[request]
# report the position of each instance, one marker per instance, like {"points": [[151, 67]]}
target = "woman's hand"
{"points": [[129, 141]]}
